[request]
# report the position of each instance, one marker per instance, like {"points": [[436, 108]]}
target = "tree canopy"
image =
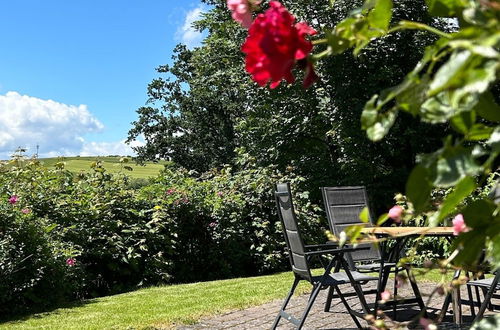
{"points": [[205, 111]]}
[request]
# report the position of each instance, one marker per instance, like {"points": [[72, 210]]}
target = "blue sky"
{"points": [[72, 73]]}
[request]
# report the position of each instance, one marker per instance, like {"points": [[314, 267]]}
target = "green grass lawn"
{"points": [[162, 307], [111, 164]]}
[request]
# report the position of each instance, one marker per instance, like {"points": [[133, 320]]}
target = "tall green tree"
{"points": [[206, 107]]}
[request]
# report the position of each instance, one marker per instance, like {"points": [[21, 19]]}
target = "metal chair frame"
{"points": [[352, 199], [300, 255]]}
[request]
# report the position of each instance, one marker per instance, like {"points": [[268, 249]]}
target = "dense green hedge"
{"points": [[70, 236]]}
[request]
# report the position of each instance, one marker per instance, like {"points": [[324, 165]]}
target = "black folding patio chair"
{"points": [[489, 287], [343, 206], [300, 255]]}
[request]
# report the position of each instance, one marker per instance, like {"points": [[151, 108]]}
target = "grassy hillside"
{"points": [[111, 164]]}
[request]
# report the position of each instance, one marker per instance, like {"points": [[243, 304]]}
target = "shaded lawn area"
{"points": [[162, 307]]}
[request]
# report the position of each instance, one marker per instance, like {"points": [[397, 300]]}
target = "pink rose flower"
{"points": [[395, 213], [241, 12], [25, 211], [13, 199], [274, 45], [386, 295], [70, 262], [459, 224]]}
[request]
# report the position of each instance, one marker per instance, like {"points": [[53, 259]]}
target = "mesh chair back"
{"points": [[343, 206], [291, 231]]}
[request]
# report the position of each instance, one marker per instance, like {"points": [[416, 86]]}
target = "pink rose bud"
{"points": [[13, 199], [386, 295], [395, 213], [25, 211], [459, 224], [241, 12], [70, 262]]}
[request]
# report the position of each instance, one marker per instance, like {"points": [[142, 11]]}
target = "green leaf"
{"points": [[454, 164], [381, 15], [449, 71], [445, 8], [440, 108], [488, 108], [479, 132], [383, 218], [494, 140], [463, 189], [495, 251], [479, 213], [470, 246], [463, 121], [380, 129], [365, 215], [418, 187]]}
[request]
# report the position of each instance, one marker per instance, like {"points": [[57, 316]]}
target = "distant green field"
{"points": [[111, 164]]}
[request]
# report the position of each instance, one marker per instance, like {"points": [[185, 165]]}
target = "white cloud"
{"points": [[186, 33], [57, 128]]}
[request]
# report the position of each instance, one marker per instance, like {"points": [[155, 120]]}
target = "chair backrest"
{"points": [[291, 231], [343, 206]]}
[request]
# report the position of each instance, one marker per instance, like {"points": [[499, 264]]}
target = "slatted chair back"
{"points": [[343, 206], [291, 231]]}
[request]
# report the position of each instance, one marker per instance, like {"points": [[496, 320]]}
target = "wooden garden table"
{"points": [[407, 232]]}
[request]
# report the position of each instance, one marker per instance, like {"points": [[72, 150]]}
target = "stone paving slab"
{"points": [[262, 317]]}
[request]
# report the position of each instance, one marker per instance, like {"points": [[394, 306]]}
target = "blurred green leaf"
{"points": [[488, 108], [444, 8], [463, 121], [418, 187], [365, 215], [479, 213], [380, 16], [479, 132], [454, 164], [462, 190]]}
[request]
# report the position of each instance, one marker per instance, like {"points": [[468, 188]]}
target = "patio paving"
{"points": [[262, 317]]}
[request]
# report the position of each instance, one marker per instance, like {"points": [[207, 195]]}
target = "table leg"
{"points": [[457, 306], [454, 298]]}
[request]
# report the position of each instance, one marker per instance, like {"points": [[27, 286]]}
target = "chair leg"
{"points": [[329, 298], [349, 310], [312, 298], [471, 301], [394, 307], [285, 303], [416, 290], [487, 298]]}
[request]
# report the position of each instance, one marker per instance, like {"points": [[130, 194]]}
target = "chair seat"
{"points": [[486, 283], [342, 278], [374, 266]]}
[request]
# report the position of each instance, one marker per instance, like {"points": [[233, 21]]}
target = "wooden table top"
{"points": [[408, 231]]}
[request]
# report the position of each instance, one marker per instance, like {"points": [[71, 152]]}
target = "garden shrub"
{"points": [[33, 269], [90, 234]]}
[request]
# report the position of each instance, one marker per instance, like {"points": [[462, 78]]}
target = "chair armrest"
{"points": [[336, 251], [322, 246]]}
